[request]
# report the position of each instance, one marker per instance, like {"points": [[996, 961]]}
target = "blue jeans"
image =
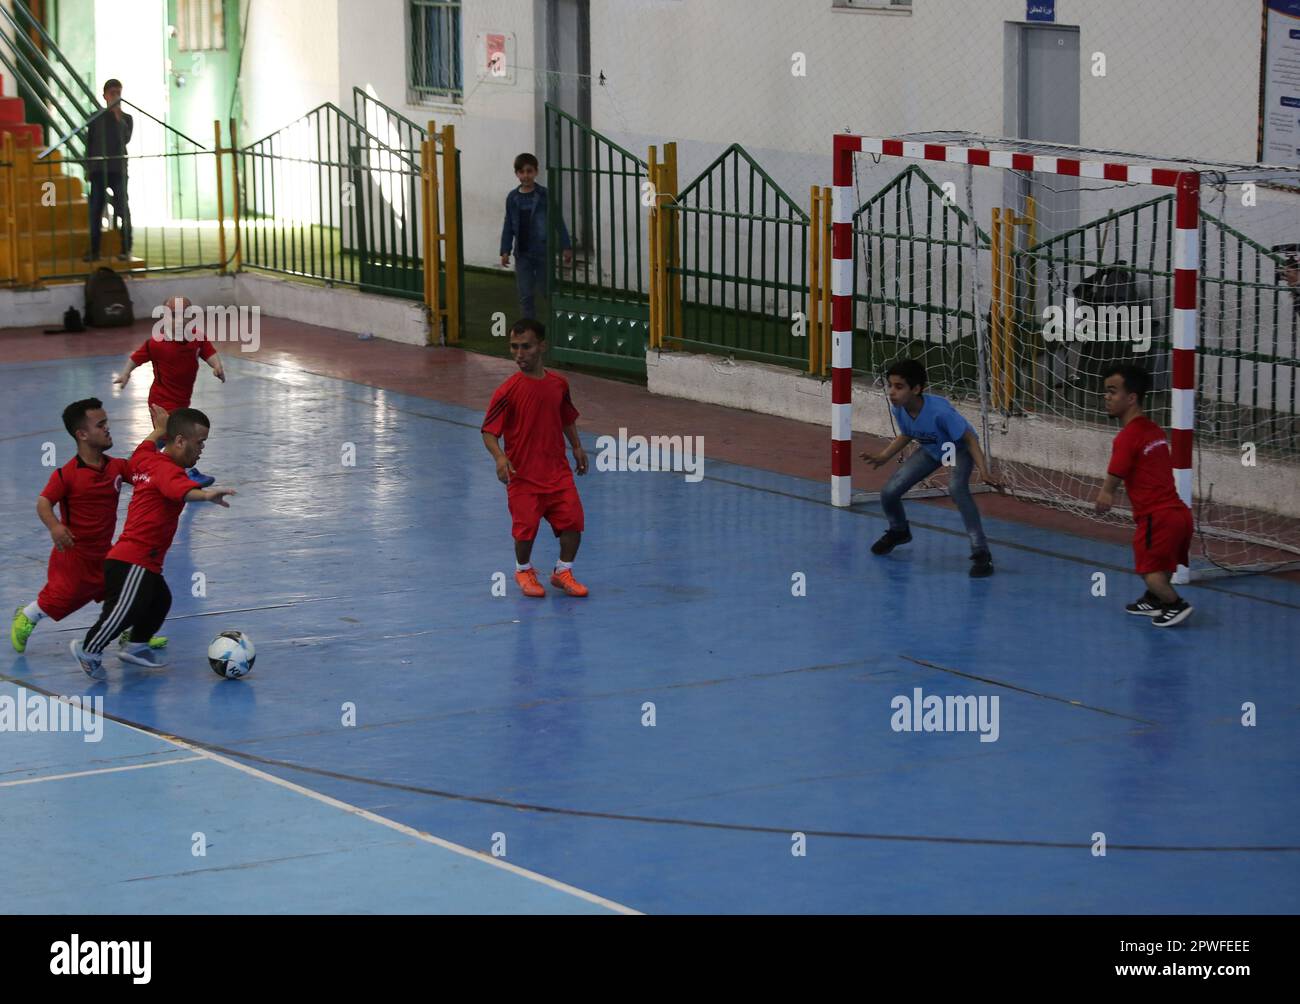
{"points": [[530, 278], [99, 185], [919, 466]]}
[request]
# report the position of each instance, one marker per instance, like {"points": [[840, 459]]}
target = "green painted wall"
{"points": [[210, 78], [73, 24]]}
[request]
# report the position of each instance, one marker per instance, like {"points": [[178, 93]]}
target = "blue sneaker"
{"points": [[91, 665], [202, 480]]}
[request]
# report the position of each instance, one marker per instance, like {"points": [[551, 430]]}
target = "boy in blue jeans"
{"points": [[934, 424], [525, 230]]}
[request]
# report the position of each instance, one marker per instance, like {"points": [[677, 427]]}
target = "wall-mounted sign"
{"points": [[1040, 10], [496, 57], [1280, 84]]}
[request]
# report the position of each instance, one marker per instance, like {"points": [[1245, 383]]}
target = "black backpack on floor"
{"points": [[108, 305]]}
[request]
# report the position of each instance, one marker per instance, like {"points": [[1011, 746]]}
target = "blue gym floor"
{"points": [[478, 715]]}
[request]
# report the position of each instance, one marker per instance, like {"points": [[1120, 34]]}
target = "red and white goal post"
{"points": [[1186, 185]]}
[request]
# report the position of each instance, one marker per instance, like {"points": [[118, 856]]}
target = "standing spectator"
{"points": [[525, 229], [106, 139]]}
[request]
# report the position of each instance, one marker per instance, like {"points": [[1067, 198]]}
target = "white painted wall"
{"points": [[291, 62], [494, 122], [1182, 78]]}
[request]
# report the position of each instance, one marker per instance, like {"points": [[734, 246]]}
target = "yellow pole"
{"points": [[451, 232], [813, 320], [27, 264], [234, 181], [673, 252], [10, 221], [221, 198]]}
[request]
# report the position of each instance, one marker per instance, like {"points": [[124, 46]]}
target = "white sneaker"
{"points": [[91, 665], [141, 655]]}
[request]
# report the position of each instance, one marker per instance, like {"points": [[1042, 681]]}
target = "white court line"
{"points": [[102, 770], [428, 838]]}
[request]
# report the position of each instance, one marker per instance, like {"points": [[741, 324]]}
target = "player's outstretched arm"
{"points": [[1106, 497], [214, 494], [60, 534], [505, 469], [579, 454], [876, 459], [121, 379], [218, 368]]}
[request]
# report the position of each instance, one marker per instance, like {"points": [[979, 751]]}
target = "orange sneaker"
{"points": [[565, 580], [528, 584]]}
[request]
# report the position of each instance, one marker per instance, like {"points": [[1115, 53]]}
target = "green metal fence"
{"points": [[161, 222], [1247, 335], [599, 308], [913, 282], [401, 133], [743, 248], [325, 198]]}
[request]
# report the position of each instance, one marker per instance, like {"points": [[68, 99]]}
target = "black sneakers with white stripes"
{"points": [[1173, 614], [1145, 605]]}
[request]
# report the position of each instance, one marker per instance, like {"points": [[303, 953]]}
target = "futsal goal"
{"points": [[1019, 272]]}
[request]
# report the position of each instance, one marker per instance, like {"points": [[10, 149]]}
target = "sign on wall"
{"points": [[1040, 10], [495, 57], [1280, 83]]}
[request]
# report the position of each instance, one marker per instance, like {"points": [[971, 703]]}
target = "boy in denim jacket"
{"points": [[525, 229]]}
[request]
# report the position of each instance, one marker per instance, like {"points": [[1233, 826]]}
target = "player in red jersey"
{"points": [[535, 413], [1140, 458], [174, 348], [86, 488], [135, 594]]}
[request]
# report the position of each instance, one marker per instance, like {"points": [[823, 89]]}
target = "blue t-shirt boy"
{"points": [[937, 422]]}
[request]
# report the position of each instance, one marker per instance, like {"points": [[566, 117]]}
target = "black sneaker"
{"points": [[1174, 614], [890, 540], [982, 564], [1145, 605]]}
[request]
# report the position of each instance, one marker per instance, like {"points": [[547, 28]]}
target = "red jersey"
{"points": [[175, 365], [532, 415], [159, 488], [1140, 457], [87, 497]]}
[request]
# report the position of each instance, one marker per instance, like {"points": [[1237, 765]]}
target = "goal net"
{"points": [[1019, 273]]}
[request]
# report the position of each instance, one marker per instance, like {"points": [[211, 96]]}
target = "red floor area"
{"points": [[468, 379]]}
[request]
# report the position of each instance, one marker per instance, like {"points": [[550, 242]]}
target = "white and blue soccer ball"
{"points": [[231, 654]]}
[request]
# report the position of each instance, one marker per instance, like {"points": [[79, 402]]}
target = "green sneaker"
{"points": [[157, 641], [21, 630]]}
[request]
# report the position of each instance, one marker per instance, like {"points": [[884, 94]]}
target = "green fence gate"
{"points": [[600, 307]]}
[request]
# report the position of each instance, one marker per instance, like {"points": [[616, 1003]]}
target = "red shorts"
{"points": [[562, 509], [1162, 540], [73, 579]]}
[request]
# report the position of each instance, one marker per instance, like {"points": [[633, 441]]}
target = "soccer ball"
{"points": [[231, 654]]}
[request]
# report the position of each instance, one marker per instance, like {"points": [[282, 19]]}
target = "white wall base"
{"points": [[1042, 442]]}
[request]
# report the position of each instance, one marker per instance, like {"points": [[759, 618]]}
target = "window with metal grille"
{"points": [[200, 24], [434, 56]]}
